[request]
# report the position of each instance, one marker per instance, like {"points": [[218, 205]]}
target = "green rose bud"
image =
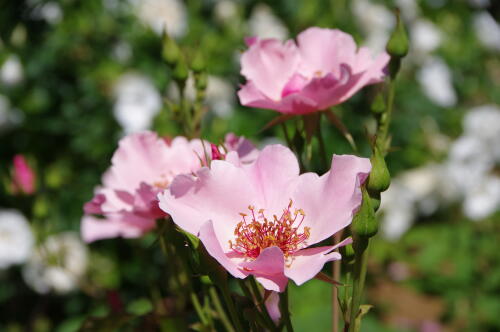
{"points": [[397, 46], [364, 224], [379, 179]]}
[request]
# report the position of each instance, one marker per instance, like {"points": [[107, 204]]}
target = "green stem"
{"points": [[218, 307], [385, 120], [199, 309], [261, 304], [335, 291], [358, 280], [322, 149], [230, 306], [285, 313], [287, 137]]}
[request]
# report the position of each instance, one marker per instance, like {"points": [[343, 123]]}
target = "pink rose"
{"points": [[262, 218], [324, 68], [142, 166], [23, 176]]}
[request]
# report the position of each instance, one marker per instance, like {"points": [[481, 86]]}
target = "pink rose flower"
{"points": [[23, 176], [142, 166], [262, 218], [323, 69]]}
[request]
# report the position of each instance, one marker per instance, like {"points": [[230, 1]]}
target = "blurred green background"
{"points": [[75, 76]]}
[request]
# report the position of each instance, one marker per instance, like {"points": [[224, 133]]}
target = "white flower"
{"points": [[468, 162], [225, 10], [137, 102], [409, 9], [487, 30], [399, 213], [16, 238], [480, 3], [11, 72], [264, 24], [425, 37], [57, 265], [436, 81], [219, 96], [161, 14], [122, 51], [376, 21], [416, 192], [483, 198], [483, 122]]}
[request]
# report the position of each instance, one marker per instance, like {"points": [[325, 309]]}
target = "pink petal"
{"points": [[295, 84], [272, 305], [293, 103], [324, 50], [273, 174], [330, 201], [307, 263], [93, 229], [23, 175], [269, 64], [268, 269], [211, 242], [218, 194]]}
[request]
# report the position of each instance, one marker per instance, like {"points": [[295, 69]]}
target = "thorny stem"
{"points": [[218, 307]]}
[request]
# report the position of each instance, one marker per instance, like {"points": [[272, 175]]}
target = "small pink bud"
{"points": [[23, 177], [216, 154]]}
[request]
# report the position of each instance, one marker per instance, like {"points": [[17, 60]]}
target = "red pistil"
{"points": [[260, 233]]}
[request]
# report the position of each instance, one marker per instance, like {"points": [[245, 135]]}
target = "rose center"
{"points": [[253, 236]]}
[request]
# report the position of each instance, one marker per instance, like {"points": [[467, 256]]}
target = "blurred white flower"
{"points": [[483, 122], [264, 24], [376, 21], [225, 10], [51, 12], [416, 192], [16, 238], [161, 14], [398, 208], [480, 3], [487, 30], [409, 9], [11, 72], [425, 37], [436, 82], [57, 264], [219, 96], [137, 102], [122, 51], [483, 198]]}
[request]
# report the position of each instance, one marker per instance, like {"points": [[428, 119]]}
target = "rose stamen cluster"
{"points": [[260, 233]]}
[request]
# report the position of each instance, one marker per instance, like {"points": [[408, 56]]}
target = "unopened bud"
{"points": [[379, 179], [198, 63], [200, 81], [348, 255], [181, 71], [364, 224], [397, 46], [171, 52], [378, 105], [375, 197]]}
